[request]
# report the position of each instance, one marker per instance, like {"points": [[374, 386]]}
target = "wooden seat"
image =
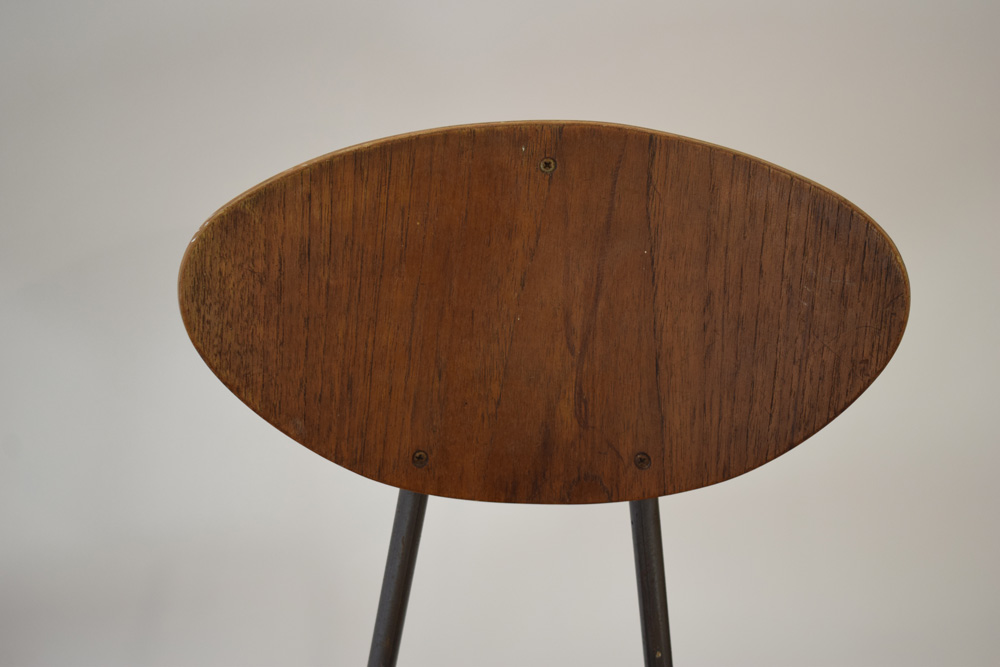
{"points": [[544, 312]]}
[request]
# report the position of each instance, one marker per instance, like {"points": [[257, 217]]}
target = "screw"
{"points": [[642, 461], [420, 458], [548, 164]]}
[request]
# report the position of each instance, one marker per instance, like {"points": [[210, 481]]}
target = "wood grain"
{"points": [[654, 314]]}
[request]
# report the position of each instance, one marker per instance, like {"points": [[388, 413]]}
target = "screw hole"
{"points": [[420, 458], [642, 461]]}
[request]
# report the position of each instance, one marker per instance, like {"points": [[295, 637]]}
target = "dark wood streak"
{"points": [[533, 332]]}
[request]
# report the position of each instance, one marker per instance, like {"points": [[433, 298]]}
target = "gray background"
{"points": [[148, 518]]}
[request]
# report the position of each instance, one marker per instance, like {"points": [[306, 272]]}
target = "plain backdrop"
{"points": [[148, 518]]}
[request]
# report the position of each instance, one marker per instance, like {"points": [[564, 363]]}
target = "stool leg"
{"points": [[648, 545], [403, 544]]}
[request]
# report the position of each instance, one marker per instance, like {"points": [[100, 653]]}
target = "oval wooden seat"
{"points": [[544, 312]]}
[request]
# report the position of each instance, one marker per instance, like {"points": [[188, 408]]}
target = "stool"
{"points": [[543, 312]]}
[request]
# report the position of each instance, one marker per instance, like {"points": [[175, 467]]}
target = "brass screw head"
{"points": [[547, 165], [642, 461], [420, 458]]}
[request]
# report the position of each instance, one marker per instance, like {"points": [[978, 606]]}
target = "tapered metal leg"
{"points": [[648, 544], [403, 544]]}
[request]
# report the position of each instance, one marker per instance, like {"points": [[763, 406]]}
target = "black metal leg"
{"points": [[648, 544], [403, 544]]}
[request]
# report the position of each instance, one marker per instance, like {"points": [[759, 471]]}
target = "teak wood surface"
{"points": [[544, 312]]}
